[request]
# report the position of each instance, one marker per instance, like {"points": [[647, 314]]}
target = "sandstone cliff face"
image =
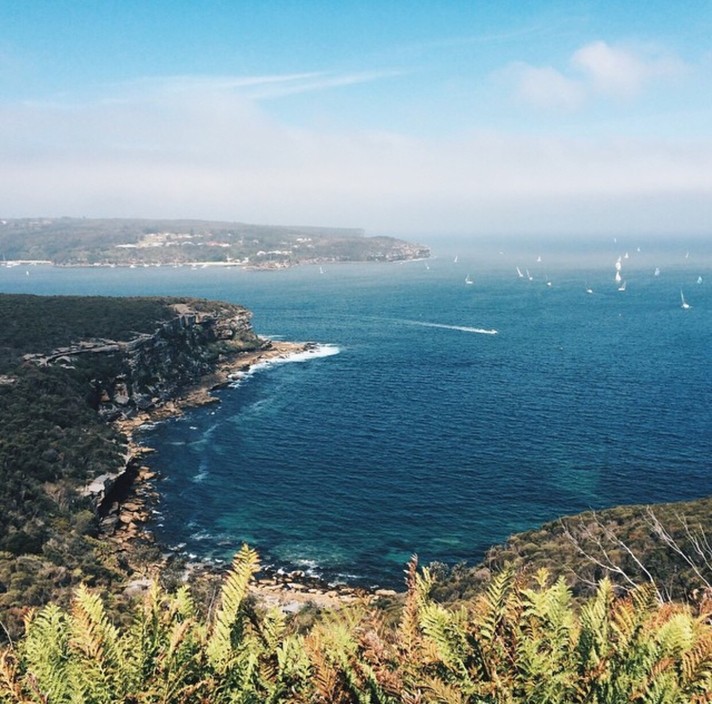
{"points": [[152, 368], [138, 374]]}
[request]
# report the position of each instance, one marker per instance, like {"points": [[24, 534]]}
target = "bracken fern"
{"points": [[517, 643]]}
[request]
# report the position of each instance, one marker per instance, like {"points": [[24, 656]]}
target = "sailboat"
{"points": [[618, 277], [657, 271], [454, 261], [519, 273], [588, 289], [685, 305], [468, 280], [699, 279], [622, 287], [529, 276], [321, 270]]}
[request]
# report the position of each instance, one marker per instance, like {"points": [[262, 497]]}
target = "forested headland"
{"points": [[69, 366]]}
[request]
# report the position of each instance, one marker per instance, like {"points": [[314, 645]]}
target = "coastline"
{"points": [[124, 516], [200, 393]]}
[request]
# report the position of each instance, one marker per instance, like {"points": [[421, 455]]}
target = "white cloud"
{"points": [[547, 88], [595, 69], [622, 71], [214, 153]]}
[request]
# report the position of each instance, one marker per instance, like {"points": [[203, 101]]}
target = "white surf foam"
{"points": [[461, 328], [315, 352]]}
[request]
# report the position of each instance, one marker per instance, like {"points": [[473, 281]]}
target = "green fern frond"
{"points": [[45, 651], [226, 623], [493, 607], [98, 671], [92, 632], [182, 603], [292, 660], [676, 636], [449, 636], [272, 628]]}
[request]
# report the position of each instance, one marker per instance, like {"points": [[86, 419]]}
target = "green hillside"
{"points": [[64, 361]]}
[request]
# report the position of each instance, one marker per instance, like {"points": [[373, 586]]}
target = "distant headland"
{"points": [[140, 242]]}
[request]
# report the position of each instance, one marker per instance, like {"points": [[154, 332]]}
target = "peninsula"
{"points": [[140, 242]]}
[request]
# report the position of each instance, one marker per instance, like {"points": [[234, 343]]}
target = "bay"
{"points": [[426, 433]]}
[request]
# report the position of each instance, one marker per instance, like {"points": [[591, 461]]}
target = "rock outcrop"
{"points": [[148, 370], [180, 352]]}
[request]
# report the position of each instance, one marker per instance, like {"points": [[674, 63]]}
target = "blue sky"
{"points": [[407, 118]]}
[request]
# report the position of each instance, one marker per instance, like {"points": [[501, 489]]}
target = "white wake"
{"points": [[461, 328]]}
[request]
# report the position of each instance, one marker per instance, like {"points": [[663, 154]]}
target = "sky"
{"points": [[410, 118]]}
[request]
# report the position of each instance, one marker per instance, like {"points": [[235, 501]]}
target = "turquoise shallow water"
{"points": [[423, 433]]}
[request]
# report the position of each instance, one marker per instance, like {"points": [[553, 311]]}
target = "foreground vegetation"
{"points": [[514, 643]]}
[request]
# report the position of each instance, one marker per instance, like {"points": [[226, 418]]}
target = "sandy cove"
{"points": [[290, 592]]}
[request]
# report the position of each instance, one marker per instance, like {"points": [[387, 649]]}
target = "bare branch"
{"points": [[608, 563]]}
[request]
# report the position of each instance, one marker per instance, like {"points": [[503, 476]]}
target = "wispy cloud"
{"points": [[546, 87], [253, 87]]}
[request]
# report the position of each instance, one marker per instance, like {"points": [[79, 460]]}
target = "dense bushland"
{"points": [[53, 441], [667, 546], [40, 324]]}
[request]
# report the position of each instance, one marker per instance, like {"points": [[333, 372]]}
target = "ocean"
{"points": [[440, 417]]}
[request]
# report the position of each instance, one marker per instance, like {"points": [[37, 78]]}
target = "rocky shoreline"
{"points": [[127, 509]]}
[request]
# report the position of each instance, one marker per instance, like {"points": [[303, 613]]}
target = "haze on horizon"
{"points": [[562, 119]]}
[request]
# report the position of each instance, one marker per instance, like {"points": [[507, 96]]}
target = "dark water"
{"points": [[423, 433]]}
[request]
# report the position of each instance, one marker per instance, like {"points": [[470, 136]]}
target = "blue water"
{"points": [[422, 438]]}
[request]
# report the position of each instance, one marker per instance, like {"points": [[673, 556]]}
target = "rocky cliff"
{"points": [[149, 369], [76, 374]]}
